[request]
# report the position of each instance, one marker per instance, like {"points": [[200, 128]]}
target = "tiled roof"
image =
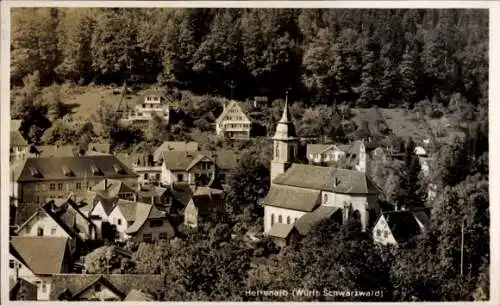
{"points": [[16, 139], [144, 212], [305, 223], [281, 230], [112, 187], [181, 160], [63, 168], [327, 179], [72, 283], [127, 208], [48, 151], [43, 255], [317, 148], [174, 146], [129, 159], [22, 288], [292, 198]]}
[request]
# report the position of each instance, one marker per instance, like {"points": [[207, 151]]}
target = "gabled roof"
{"points": [[85, 167], [232, 105], [299, 199], [317, 148], [15, 125], [305, 223], [72, 283], [403, 224], [102, 281], [182, 160], [43, 255], [129, 159], [281, 230], [174, 146], [23, 288], [112, 188], [16, 139], [143, 213], [137, 295], [327, 179], [127, 208]]}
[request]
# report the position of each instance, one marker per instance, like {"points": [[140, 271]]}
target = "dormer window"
{"points": [[67, 171], [118, 169], [35, 172], [95, 170]]}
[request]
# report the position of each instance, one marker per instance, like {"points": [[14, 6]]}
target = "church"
{"points": [[301, 193]]}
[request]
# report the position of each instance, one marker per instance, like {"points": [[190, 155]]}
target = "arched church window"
{"points": [[276, 151], [272, 219], [280, 219], [325, 199], [288, 220], [295, 219]]}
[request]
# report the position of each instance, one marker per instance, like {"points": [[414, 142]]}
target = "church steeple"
{"points": [[285, 130], [285, 143]]}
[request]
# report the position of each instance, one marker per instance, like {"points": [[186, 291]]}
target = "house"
{"points": [[155, 103], [204, 203], [113, 188], [196, 168], [19, 148], [153, 194], [283, 234], [396, 227], [233, 122], [322, 153], [122, 216], [150, 224], [22, 290], [147, 169], [60, 218], [38, 179], [104, 287], [27, 262], [299, 189], [174, 146]]}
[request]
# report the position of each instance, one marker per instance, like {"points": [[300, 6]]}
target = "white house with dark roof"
{"points": [[299, 189], [233, 122], [150, 224], [396, 227], [27, 262]]}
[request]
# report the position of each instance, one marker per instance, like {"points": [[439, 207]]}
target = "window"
{"points": [[280, 219], [145, 176], [288, 220], [180, 177], [158, 176], [39, 232], [295, 219], [11, 264], [44, 287], [59, 186], [97, 287], [163, 235], [272, 219], [325, 199], [78, 185], [276, 151], [154, 223], [147, 237], [53, 231], [386, 234], [52, 186], [119, 222], [379, 233]]}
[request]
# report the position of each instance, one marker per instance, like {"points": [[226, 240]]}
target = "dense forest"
{"points": [[327, 56], [420, 59]]}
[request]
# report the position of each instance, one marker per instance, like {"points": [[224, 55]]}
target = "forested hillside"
{"points": [[362, 57]]}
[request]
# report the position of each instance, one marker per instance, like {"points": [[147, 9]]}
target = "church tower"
{"points": [[362, 165], [285, 144]]}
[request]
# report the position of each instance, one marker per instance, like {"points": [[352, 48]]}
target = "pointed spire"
{"points": [[286, 113]]}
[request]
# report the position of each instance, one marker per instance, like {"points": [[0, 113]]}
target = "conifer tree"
{"points": [[408, 78]]}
